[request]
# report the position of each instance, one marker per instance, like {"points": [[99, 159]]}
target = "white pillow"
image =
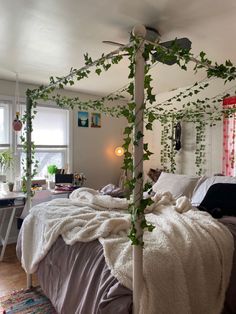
{"points": [[177, 184], [204, 184]]}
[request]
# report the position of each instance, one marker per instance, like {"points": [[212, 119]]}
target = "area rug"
{"points": [[31, 301]]}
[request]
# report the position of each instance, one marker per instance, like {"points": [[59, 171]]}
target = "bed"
{"points": [[68, 274]]}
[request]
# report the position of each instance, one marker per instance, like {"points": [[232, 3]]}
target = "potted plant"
{"points": [[52, 170], [6, 161]]}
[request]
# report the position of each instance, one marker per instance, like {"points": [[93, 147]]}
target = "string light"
{"points": [[119, 151]]}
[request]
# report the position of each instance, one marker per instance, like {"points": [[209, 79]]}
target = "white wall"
{"points": [[94, 151], [186, 157]]}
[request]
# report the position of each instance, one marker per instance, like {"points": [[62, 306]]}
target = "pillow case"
{"points": [[177, 184], [204, 184], [220, 200]]}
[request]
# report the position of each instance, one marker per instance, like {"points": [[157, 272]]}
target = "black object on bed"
{"points": [[220, 200]]}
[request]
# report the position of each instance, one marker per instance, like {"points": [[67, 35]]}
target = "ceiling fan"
{"points": [[153, 35]]}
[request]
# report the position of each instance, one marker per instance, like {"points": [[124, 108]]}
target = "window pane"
{"points": [[46, 158], [4, 124], [50, 126]]}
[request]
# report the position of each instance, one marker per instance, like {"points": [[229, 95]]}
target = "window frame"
{"points": [[65, 149], [6, 104], [13, 137]]}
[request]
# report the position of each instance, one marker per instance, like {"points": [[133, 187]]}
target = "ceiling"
{"points": [[48, 37]]}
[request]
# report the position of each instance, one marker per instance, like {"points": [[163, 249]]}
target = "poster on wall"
{"points": [[95, 120], [83, 119]]}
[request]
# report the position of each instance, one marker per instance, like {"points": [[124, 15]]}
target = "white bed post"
{"points": [[28, 164], [139, 31]]}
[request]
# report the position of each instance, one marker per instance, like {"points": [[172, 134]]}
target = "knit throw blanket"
{"points": [[187, 257]]}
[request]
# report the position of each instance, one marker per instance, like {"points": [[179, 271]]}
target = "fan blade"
{"points": [[183, 43], [114, 43]]}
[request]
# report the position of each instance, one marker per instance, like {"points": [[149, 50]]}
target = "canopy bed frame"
{"points": [[139, 32]]}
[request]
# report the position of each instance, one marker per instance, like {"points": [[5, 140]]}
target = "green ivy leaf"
{"points": [[98, 71], [139, 135], [128, 130], [148, 126]]}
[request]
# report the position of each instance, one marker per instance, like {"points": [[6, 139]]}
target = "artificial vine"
{"points": [[44, 93], [197, 111], [190, 111], [98, 105], [200, 146], [30, 162]]}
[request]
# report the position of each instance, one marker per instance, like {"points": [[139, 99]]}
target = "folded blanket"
{"points": [[89, 196], [187, 257]]}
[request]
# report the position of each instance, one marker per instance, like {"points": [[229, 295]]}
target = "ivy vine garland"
{"points": [[207, 110], [190, 111]]}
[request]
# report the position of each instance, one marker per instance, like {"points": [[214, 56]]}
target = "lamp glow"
{"points": [[119, 151]]}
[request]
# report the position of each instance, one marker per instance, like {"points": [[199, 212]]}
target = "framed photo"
{"points": [[95, 120], [83, 119]]}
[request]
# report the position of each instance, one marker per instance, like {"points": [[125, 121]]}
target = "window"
{"points": [[51, 138], [50, 127], [4, 125], [229, 143]]}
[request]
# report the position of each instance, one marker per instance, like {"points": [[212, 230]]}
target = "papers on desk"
{"points": [[11, 198]]}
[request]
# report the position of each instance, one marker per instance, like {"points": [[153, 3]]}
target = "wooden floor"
{"points": [[12, 275]]}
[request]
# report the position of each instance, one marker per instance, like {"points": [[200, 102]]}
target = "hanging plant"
{"points": [[17, 124]]}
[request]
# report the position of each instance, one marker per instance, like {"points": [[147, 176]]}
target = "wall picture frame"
{"points": [[96, 120], [83, 119]]}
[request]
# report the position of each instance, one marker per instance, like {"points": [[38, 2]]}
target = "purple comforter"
{"points": [[77, 280], [230, 298]]}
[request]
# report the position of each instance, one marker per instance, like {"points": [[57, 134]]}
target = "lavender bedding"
{"points": [[77, 279], [230, 299]]}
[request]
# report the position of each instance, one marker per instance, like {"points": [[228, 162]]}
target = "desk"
{"points": [[60, 192], [8, 201]]}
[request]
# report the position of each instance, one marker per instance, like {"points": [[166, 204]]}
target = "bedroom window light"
{"points": [[46, 157], [51, 137], [4, 135], [4, 125]]}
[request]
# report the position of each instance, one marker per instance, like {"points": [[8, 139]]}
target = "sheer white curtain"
{"points": [[51, 137], [4, 125], [229, 143], [50, 127]]}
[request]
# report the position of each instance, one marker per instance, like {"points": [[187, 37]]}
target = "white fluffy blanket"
{"points": [[187, 257]]}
